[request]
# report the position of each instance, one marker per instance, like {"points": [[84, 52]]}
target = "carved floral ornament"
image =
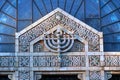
{"points": [[66, 21]]}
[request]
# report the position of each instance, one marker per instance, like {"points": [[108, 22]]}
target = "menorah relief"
{"points": [[59, 41]]}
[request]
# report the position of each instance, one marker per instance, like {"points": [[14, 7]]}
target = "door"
{"points": [[59, 77]]}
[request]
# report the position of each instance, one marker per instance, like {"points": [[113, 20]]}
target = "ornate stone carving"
{"points": [[94, 75], [58, 41], [24, 75], [80, 76], [38, 77], [108, 75], [53, 61], [24, 61], [94, 60], [112, 61], [7, 61], [10, 77], [64, 21]]}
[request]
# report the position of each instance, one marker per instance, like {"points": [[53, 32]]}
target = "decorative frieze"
{"points": [[7, 61], [53, 61], [112, 61]]}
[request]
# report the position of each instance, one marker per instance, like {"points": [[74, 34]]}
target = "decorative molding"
{"points": [[80, 76], [53, 61], [24, 75], [10, 77], [38, 77], [95, 75]]}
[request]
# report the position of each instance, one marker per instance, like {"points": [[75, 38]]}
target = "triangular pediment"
{"points": [[65, 20]]}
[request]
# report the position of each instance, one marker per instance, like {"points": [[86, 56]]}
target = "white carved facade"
{"points": [[58, 43]]}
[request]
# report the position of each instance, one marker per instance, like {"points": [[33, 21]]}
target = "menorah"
{"points": [[59, 41]]}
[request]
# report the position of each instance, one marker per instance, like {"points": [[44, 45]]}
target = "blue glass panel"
{"points": [[69, 5], [23, 24], [7, 20], [107, 9], [112, 37], [48, 5], [36, 14], [112, 28], [92, 8], [2, 2], [75, 6], [24, 9], [7, 48], [80, 13], [41, 6], [13, 2], [103, 2], [61, 4], [116, 2], [113, 17], [6, 30], [95, 23], [6, 39], [112, 47], [9, 10], [54, 4]]}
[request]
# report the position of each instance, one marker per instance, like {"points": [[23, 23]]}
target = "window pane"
{"points": [[7, 20], [92, 8], [2, 2], [36, 13], [6, 39], [61, 3], [68, 5], [54, 4], [48, 5], [107, 9], [7, 48], [13, 2], [103, 2], [116, 2], [23, 24], [6, 30], [24, 9], [9, 10]]}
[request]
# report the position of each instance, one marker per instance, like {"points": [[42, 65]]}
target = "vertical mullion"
{"points": [[16, 15], [32, 11]]}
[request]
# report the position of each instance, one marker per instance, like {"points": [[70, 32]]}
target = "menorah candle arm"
{"points": [[71, 44], [45, 42], [67, 43], [51, 45], [64, 41], [53, 42]]}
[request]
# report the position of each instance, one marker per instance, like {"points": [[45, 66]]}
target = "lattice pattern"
{"points": [[94, 60], [112, 61], [52, 61], [24, 75], [52, 21], [24, 61], [94, 75], [7, 61]]}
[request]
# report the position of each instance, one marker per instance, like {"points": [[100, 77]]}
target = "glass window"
{"points": [[103, 2], [117, 3], [107, 9], [23, 24], [6, 30], [7, 47], [2, 2], [8, 9], [7, 20], [13, 2], [75, 7], [68, 5], [24, 9], [92, 8], [6, 39], [47, 5], [112, 28], [54, 4], [61, 4], [36, 13], [113, 17]]}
